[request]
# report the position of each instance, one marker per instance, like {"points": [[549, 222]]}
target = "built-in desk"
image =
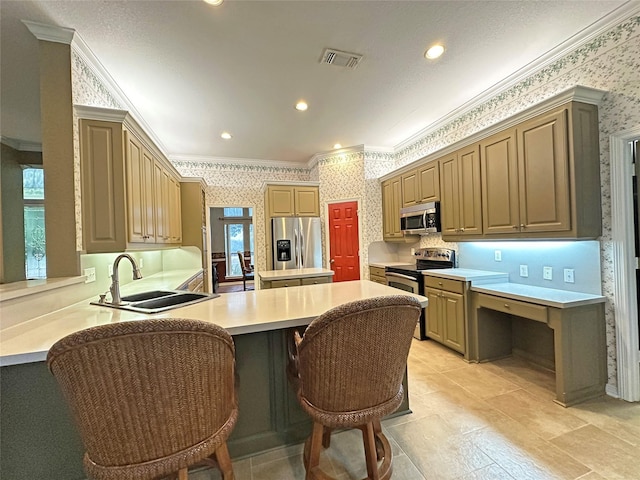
{"points": [[564, 331]]}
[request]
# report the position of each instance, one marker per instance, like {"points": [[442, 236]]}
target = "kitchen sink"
{"points": [[156, 301]]}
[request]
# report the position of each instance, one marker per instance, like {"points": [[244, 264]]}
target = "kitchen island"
{"points": [[294, 277], [38, 439]]}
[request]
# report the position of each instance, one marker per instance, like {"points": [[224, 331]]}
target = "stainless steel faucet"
{"points": [[115, 282]]}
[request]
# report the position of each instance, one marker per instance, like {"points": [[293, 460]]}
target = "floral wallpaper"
{"points": [[610, 62]]}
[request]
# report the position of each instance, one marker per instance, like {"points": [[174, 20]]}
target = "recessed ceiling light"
{"points": [[225, 135], [215, 3], [434, 52], [301, 106], [337, 146]]}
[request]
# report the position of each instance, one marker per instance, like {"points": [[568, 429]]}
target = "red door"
{"points": [[344, 241]]}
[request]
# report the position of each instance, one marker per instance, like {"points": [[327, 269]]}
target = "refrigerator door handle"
{"points": [[301, 250], [295, 247]]}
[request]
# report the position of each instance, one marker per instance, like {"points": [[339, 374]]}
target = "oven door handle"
{"points": [[398, 275]]}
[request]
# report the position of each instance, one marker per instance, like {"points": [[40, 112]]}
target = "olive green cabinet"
{"points": [[541, 179], [446, 312], [295, 282], [377, 274], [460, 204], [293, 200], [421, 185], [130, 198]]}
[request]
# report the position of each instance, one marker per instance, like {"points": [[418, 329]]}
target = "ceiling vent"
{"points": [[339, 58]]}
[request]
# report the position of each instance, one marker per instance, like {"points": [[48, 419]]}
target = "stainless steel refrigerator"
{"points": [[297, 242]]}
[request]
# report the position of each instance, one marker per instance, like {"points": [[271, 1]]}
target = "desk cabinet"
{"points": [[446, 312], [576, 346]]}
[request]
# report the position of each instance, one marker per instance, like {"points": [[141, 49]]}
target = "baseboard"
{"points": [[611, 390]]}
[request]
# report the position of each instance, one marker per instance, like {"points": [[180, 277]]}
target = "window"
{"points": [[34, 232], [238, 234]]}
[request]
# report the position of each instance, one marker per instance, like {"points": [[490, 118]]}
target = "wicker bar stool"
{"points": [[347, 370], [150, 398]]}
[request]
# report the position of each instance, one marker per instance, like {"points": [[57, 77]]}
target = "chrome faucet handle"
{"points": [[103, 298]]}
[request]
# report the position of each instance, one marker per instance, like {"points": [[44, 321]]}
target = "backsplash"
{"points": [[583, 257]]}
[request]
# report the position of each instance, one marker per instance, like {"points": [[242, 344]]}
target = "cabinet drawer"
{"points": [[294, 282], [315, 280], [376, 271], [455, 286], [514, 307]]}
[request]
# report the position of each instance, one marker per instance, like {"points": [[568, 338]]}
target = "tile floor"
{"points": [[493, 421]]}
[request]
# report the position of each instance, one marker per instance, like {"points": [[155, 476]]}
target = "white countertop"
{"points": [[388, 264], [241, 312], [288, 274], [476, 277], [540, 295]]}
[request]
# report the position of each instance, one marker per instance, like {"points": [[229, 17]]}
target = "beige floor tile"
{"points": [[437, 450], [617, 417], [602, 452], [543, 417], [523, 454], [288, 468], [530, 377], [592, 476], [241, 471], [277, 454], [423, 383], [438, 357], [481, 382], [490, 472]]}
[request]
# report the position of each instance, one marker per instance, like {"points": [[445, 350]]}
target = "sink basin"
{"points": [[158, 301], [138, 297]]}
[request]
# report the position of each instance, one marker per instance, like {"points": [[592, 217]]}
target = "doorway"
{"points": [[344, 240], [624, 233], [232, 232]]}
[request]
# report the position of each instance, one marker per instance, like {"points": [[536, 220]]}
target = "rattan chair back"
{"points": [[352, 359], [149, 397]]}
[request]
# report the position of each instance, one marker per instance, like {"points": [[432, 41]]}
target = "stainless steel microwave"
{"points": [[420, 219]]}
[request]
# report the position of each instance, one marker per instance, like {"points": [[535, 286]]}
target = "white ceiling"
{"points": [[192, 70]]}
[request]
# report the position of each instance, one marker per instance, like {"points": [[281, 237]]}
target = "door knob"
{"points": [[332, 261]]}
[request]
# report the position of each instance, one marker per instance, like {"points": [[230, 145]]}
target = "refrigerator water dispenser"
{"points": [[283, 249]]}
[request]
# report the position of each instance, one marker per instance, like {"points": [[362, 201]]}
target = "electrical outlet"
{"points": [[497, 255], [109, 270], [524, 271], [89, 275], [140, 263], [568, 275], [547, 273]]}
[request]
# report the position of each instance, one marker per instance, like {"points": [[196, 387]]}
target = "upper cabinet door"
{"points": [[428, 181], [307, 201], [543, 171], [470, 195], [500, 201], [410, 189], [449, 195], [281, 202]]}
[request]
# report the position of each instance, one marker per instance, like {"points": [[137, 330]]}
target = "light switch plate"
{"points": [[547, 273], [524, 271], [109, 270], [497, 255]]}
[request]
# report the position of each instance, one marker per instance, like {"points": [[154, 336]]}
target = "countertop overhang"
{"points": [[291, 273], [239, 313]]}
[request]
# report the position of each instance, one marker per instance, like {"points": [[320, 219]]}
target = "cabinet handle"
{"points": [[515, 227], [439, 283], [506, 305], [522, 225], [462, 229]]}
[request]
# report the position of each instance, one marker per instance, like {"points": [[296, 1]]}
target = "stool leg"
{"points": [[224, 462], [182, 474], [312, 451], [368, 438], [326, 437]]}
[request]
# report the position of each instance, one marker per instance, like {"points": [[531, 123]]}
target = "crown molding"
{"points": [[50, 33], [205, 159], [623, 12], [21, 145], [100, 113]]}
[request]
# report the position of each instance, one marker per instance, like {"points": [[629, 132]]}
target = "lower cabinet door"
{"points": [[453, 319], [434, 315]]}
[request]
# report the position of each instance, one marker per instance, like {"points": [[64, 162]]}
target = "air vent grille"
{"points": [[331, 56]]}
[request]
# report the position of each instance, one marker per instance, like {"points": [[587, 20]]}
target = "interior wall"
{"points": [[241, 185], [12, 218]]}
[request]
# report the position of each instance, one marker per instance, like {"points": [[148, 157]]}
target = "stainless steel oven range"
{"points": [[410, 278]]}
